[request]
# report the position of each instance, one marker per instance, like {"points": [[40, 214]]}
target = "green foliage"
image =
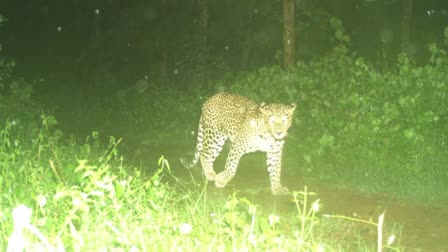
{"points": [[391, 126], [381, 126], [373, 127], [16, 103], [339, 31], [74, 196]]}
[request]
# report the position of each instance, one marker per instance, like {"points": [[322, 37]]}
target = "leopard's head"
{"points": [[277, 118]]}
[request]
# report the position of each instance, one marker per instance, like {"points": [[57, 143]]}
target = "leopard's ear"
{"points": [[263, 107], [293, 106]]}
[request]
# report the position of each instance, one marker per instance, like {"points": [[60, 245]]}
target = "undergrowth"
{"points": [[380, 130], [66, 195], [385, 130]]}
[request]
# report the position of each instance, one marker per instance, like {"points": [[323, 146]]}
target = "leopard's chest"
{"points": [[253, 137], [262, 143]]}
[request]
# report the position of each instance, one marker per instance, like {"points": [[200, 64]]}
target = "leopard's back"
{"points": [[226, 113]]}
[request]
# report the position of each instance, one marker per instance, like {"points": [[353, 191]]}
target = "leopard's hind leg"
{"points": [[199, 145], [213, 144], [229, 171]]}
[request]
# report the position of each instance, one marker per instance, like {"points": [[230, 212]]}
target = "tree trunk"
{"points": [[202, 56], [203, 8], [289, 41], [163, 41], [407, 6], [246, 49], [163, 61], [247, 28], [97, 22]]}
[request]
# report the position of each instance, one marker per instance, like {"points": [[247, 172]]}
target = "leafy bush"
{"points": [[381, 125], [67, 194], [104, 204]]}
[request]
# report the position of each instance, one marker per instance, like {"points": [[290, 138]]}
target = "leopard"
{"points": [[250, 127]]}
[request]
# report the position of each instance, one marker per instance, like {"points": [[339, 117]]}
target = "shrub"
{"points": [[385, 125]]}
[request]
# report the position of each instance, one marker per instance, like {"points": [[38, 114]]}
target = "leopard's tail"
{"points": [[200, 142]]}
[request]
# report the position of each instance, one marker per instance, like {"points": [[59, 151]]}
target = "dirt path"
{"points": [[424, 227]]}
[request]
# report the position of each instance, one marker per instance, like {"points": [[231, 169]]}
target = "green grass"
{"points": [[379, 130], [355, 126], [70, 195]]}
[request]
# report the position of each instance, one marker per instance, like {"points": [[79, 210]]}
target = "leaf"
{"points": [[119, 190], [409, 133]]}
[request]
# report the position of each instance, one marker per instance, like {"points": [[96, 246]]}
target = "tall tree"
{"points": [[164, 40], [202, 56], [247, 30], [406, 18], [289, 41]]}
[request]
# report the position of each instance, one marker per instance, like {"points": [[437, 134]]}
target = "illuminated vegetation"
{"points": [[380, 131], [72, 196]]}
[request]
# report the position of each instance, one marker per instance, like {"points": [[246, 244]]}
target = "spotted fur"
{"points": [[250, 127]]}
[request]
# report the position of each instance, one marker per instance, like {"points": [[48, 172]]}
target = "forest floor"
{"points": [[424, 226]]}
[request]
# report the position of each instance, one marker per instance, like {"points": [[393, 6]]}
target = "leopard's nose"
{"points": [[278, 134]]}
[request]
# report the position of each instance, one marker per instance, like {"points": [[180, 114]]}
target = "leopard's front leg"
{"points": [[274, 164]]}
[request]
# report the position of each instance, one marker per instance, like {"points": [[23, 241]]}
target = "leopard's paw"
{"points": [[221, 180], [210, 175], [280, 190]]}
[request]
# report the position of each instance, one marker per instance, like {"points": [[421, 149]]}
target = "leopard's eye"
{"points": [[271, 120], [284, 119]]}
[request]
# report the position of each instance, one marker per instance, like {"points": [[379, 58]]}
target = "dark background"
{"points": [[68, 43], [371, 117]]}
